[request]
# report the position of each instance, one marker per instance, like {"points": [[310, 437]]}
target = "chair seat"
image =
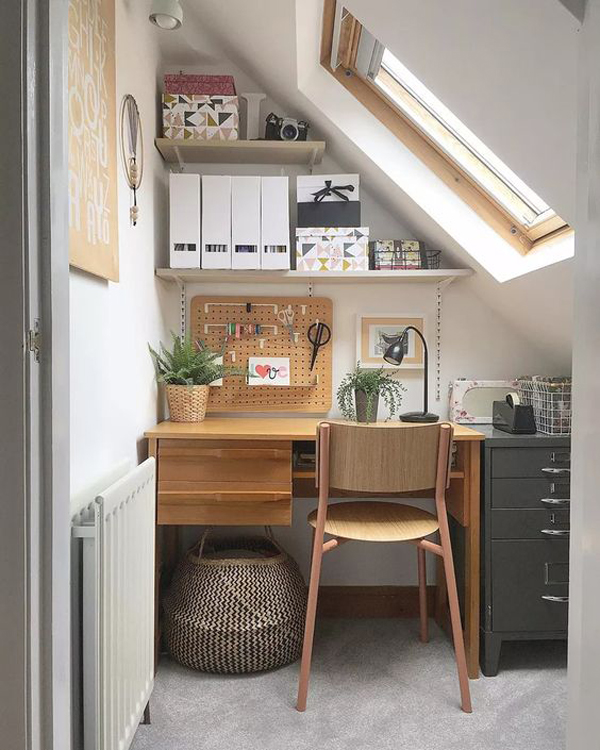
{"points": [[373, 521]]}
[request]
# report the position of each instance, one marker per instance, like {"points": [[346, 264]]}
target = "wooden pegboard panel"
{"points": [[304, 393]]}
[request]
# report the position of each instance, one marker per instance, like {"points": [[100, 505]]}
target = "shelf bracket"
{"points": [[440, 286], [178, 157], [312, 160], [182, 306]]}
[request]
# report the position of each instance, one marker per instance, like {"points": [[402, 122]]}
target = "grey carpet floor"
{"points": [[374, 686]]}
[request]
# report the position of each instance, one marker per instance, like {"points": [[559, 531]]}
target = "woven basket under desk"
{"points": [[235, 615]]}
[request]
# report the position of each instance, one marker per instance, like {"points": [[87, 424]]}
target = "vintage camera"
{"points": [[285, 129]]}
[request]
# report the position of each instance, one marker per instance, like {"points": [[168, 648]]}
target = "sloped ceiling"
{"points": [[507, 69]]}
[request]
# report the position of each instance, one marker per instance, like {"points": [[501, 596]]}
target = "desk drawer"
{"points": [[553, 463], [235, 508], [224, 461], [530, 524], [530, 585], [529, 493]]}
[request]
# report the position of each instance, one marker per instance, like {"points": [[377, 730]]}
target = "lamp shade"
{"points": [[166, 14], [394, 354]]}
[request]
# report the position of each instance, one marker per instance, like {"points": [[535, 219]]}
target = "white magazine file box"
{"points": [[275, 223], [216, 221], [184, 220], [245, 222]]}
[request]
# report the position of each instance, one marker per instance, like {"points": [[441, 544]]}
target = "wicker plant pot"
{"points": [[187, 403], [232, 615]]}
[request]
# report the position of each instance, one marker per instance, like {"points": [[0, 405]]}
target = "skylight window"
{"points": [[407, 107], [458, 142]]}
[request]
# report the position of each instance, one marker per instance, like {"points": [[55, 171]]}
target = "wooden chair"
{"points": [[376, 459]]}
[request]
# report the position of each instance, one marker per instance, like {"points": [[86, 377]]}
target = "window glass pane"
{"points": [[427, 112]]}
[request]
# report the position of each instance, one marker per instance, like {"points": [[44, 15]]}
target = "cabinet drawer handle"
{"points": [[550, 598], [555, 532], [556, 500], [556, 472], [560, 458]]}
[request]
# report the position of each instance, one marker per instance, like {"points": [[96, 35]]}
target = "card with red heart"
{"points": [[268, 371]]}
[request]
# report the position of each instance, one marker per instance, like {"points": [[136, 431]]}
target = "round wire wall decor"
{"points": [[132, 150]]}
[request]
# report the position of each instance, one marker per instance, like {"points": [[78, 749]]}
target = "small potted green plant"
{"points": [[188, 371], [359, 392]]}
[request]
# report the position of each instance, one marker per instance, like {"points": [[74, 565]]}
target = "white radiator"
{"points": [[117, 531]]}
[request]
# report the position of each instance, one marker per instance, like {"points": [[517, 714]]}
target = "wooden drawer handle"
{"points": [[243, 453]]}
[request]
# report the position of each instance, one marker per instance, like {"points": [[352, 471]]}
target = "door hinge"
{"points": [[34, 340]]}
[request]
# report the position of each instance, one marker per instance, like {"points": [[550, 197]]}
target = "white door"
{"points": [[34, 494], [584, 588]]}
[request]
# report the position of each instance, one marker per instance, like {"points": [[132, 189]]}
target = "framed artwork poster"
{"points": [[370, 345], [93, 227]]}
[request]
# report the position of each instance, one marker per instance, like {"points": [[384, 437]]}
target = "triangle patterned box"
{"points": [[332, 249], [201, 117]]}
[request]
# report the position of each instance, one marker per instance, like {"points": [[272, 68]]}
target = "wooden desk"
{"points": [[235, 471]]}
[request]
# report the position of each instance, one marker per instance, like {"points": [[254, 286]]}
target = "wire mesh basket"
{"points": [[551, 401], [397, 255]]}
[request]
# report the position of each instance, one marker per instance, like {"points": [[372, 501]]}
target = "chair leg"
{"points": [[457, 632], [424, 633], [309, 628]]}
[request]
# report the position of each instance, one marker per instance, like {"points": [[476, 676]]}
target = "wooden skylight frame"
{"points": [[522, 238]]}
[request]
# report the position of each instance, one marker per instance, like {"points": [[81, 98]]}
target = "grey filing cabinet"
{"points": [[524, 540]]}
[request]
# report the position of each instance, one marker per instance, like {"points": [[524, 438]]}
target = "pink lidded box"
{"points": [[184, 83]]}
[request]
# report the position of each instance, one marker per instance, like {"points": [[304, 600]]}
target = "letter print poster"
{"points": [[93, 229]]}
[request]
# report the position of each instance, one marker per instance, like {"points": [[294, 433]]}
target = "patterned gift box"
{"points": [[206, 118], [183, 83], [332, 249]]}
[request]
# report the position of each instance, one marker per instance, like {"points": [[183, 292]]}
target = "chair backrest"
{"points": [[387, 457]]}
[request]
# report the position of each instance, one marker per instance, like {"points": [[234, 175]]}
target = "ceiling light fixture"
{"points": [[166, 14]]}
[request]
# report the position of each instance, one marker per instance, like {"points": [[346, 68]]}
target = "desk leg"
{"points": [[470, 460]]}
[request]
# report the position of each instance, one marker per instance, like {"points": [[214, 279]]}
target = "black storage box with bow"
{"points": [[328, 200]]}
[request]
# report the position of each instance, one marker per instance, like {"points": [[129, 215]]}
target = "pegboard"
{"points": [[309, 391]]}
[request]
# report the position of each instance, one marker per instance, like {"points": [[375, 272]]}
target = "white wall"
{"points": [[478, 339], [112, 323], [584, 607], [113, 395]]}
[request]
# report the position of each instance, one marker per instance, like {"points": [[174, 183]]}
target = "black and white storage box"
{"points": [[332, 249], [328, 200]]}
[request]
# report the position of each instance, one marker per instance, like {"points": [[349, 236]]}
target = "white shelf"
{"points": [[198, 275], [196, 151]]}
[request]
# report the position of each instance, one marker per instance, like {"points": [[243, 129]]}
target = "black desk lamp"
{"points": [[394, 355]]}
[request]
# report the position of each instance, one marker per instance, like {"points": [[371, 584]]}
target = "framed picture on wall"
{"points": [[93, 229], [370, 345]]}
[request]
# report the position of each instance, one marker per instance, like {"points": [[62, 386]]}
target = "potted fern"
{"points": [[187, 371], [359, 392]]}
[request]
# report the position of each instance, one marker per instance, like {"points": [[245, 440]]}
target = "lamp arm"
{"points": [[425, 363]]}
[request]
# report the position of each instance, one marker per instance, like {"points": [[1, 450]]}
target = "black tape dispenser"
{"points": [[513, 416]]}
